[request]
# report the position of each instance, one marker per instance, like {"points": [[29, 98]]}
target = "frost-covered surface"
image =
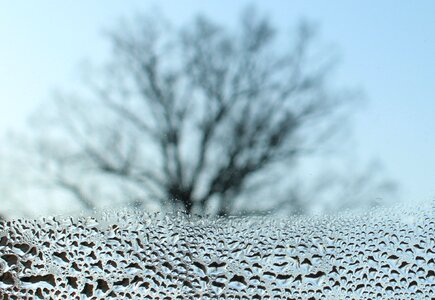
{"points": [[129, 255]]}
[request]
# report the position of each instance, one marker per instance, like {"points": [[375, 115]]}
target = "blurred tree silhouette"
{"points": [[187, 119]]}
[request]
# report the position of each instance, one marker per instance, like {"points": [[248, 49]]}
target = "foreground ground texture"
{"points": [[384, 254]]}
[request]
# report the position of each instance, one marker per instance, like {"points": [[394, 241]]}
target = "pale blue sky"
{"points": [[387, 48]]}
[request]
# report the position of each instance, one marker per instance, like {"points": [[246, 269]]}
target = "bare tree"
{"points": [[188, 118]]}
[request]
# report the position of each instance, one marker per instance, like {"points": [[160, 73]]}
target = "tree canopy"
{"points": [[187, 118]]}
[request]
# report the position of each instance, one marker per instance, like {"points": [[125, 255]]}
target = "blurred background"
{"points": [[215, 107]]}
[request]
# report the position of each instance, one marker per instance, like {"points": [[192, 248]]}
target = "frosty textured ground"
{"points": [[386, 254]]}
